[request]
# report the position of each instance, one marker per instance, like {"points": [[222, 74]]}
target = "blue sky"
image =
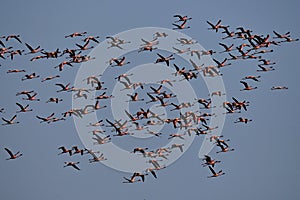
{"points": [[265, 162]]}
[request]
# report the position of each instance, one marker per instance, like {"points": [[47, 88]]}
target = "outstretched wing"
{"points": [[212, 170], [51, 115], [207, 158], [60, 85], [21, 107], [234, 99], [40, 117], [244, 83], [29, 47], [160, 56], [210, 24], [13, 118], [179, 16], [93, 154], [128, 114], [112, 124], [152, 97], [75, 166], [153, 173], [223, 45], [9, 152], [216, 61]]}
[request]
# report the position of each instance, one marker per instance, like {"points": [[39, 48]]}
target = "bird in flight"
{"points": [[215, 174], [12, 155], [164, 59], [72, 164], [11, 121]]}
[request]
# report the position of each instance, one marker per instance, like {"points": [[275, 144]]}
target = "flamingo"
{"points": [[33, 50], [156, 91], [179, 71], [181, 51], [158, 34], [279, 88], [166, 81], [30, 76], [164, 59], [153, 99], [72, 164], [181, 26], [255, 78], [134, 97], [246, 86], [239, 104], [224, 149], [37, 58], [197, 52], [209, 161], [49, 78], [64, 150], [244, 120], [13, 36], [100, 140], [53, 54], [45, 119], [12, 155], [95, 157], [228, 33], [62, 64], [131, 179], [185, 41], [64, 87], [146, 48], [93, 38], [54, 99], [150, 43], [267, 62], [265, 69], [282, 36], [139, 149], [182, 18], [84, 47], [15, 71], [176, 135], [221, 64], [216, 26], [179, 146], [215, 174], [119, 62], [23, 109], [227, 48], [76, 34], [11, 121], [76, 150]]}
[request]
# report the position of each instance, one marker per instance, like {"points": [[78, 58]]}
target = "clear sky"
{"points": [[265, 163]]}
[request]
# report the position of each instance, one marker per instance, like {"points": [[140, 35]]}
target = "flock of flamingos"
{"points": [[252, 46]]}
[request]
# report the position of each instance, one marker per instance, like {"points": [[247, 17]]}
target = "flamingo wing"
{"points": [[9, 152]]}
